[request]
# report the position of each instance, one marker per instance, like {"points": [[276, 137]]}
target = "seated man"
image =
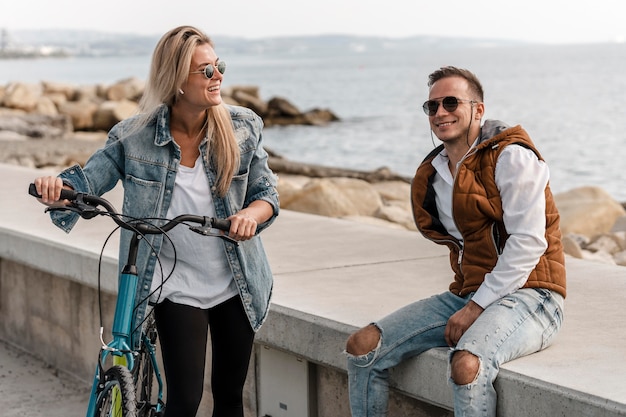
{"points": [[484, 193]]}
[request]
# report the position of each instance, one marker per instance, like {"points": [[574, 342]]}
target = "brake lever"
{"points": [[210, 231], [84, 210]]}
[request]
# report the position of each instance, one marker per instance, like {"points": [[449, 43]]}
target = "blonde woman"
{"points": [[187, 152]]}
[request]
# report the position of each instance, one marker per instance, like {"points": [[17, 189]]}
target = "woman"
{"points": [[187, 152]]}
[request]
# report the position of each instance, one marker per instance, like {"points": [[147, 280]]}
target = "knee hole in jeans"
{"points": [[363, 341], [464, 367]]}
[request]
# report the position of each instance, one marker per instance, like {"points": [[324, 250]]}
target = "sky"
{"points": [[546, 21]]}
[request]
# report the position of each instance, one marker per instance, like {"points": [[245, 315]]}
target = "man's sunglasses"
{"points": [[449, 103], [209, 70]]}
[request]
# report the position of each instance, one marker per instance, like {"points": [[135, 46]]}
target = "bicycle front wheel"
{"points": [[117, 399]]}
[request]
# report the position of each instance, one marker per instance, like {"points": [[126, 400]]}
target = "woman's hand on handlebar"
{"points": [[242, 226], [50, 189]]}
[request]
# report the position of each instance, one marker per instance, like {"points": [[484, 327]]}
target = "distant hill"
{"points": [[77, 42], [93, 43]]}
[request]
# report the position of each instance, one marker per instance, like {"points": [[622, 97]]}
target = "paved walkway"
{"points": [[30, 388]]}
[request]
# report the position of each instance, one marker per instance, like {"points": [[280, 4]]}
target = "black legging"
{"points": [[183, 337]]}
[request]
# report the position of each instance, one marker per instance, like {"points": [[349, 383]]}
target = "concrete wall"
{"points": [[58, 320]]}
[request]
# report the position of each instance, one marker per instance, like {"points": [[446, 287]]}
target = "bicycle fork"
{"points": [[120, 346]]}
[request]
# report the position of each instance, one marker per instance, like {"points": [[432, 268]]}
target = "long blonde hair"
{"points": [[169, 70]]}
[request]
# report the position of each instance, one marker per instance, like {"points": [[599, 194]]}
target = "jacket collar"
{"points": [[162, 133]]}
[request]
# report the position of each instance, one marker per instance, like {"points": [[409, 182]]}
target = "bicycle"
{"points": [[126, 388]]}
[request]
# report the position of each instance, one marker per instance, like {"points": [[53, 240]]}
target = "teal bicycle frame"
{"points": [[121, 348]]}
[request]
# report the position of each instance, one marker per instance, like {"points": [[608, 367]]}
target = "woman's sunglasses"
{"points": [[209, 70], [449, 103]]}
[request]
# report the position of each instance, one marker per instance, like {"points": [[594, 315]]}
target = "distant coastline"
{"points": [[80, 43], [10, 50], [65, 43], [26, 53]]}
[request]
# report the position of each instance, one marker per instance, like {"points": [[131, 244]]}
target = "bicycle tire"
{"points": [[117, 399], [143, 374]]}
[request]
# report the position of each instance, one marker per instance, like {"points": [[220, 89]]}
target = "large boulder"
{"points": [[22, 96], [251, 100], [54, 88], [335, 197], [36, 126], [111, 112], [593, 225], [588, 211], [280, 107], [81, 112], [127, 89]]}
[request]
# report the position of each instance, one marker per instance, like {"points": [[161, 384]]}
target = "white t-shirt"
{"points": [[202, 276]]}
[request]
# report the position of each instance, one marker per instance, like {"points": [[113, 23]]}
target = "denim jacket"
{"points": [[146, 161]]}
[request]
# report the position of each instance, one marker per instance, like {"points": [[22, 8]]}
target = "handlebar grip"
{"points": [[65, 193], [222, 224], [32, 190]]}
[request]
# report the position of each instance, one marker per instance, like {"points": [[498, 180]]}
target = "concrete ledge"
{"points": [[333, 276]]}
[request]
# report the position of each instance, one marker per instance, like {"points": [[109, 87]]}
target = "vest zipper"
{"points": [[471, 151]]}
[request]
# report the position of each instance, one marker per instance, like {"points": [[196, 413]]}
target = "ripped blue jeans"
{"points": [[519, 324]]}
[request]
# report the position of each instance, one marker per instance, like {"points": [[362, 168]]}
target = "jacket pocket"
{"points": [[141, 197]]}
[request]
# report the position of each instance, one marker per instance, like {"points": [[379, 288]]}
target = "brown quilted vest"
{"points": [[478, 215]]}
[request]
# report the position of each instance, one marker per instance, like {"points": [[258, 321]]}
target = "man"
{"points": [[484, 193]]}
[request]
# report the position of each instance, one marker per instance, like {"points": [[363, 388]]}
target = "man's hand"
{"points": [[460, 321]]}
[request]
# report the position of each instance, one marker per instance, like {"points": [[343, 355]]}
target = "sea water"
{"points": [[570, 99]]}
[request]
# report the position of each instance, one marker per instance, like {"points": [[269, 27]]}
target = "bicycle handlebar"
{"points": [[86, 205]]}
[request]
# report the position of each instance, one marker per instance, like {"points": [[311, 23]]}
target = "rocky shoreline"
{"points": [[593, 223], [66, 108]]}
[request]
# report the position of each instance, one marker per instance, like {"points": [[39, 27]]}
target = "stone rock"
{"points": [[336, 197], [251, 90], [398, 215], [53, 88], [251, 101], [602, 257], [620, 238], [129, 89], [22, 96], [111, 112], [57, 98], [37, 126], [5, 111], [280, 107], [81, 112], [319, 117], [394, 190], [93, 93], [284, 166], [11, 136], [571, 246], [620, 258], [619, 225], [46, 106], [289, 186], [605, 243], [588, 211]]}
